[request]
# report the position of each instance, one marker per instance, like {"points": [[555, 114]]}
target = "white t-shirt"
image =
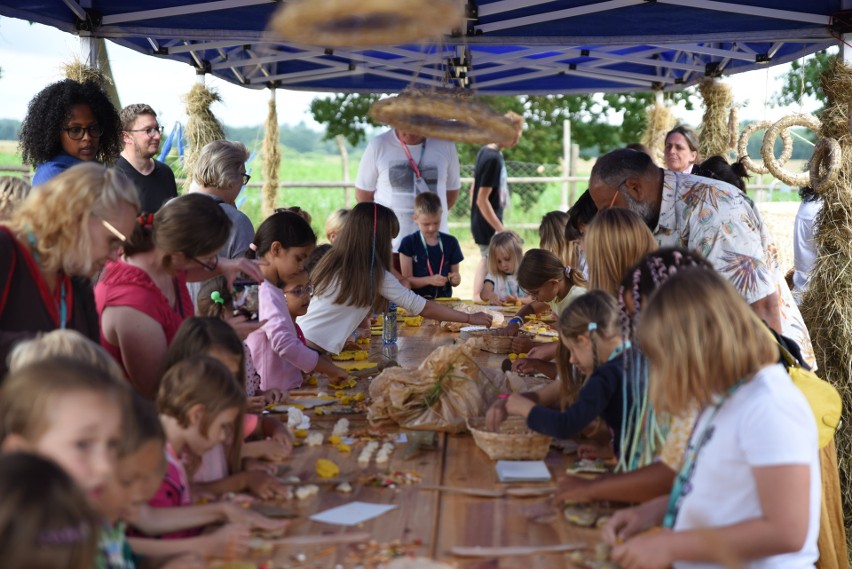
{"points": [[386, 171], [766, 422], [804, 248], [329, 325]]}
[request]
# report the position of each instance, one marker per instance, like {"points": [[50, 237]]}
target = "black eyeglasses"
{"points": [[301, 290], [77, 132], [206, 265], [151, 131], [246, 179]]}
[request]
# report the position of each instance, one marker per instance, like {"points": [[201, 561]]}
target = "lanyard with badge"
{"points": [[420, 184], [428, 262]]}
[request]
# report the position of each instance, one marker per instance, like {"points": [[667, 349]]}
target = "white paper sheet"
{"points": [[352, 513], [522, 471]]}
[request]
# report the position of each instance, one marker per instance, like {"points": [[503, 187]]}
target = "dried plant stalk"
{"points": [[271, 159], [827, 305], [714, 136], [202, 126], [660, 121]]}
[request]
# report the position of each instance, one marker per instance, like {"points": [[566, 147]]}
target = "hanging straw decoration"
{"points": [[80, 72], [660, 120], [733, 128], [742, 147], [271, 158], [366, 23], [202, 127], [444, 114], [714, 135], [767, 149], [827, 304]]}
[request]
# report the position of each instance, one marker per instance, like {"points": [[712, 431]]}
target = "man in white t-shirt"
{"points": [[396, 166]]}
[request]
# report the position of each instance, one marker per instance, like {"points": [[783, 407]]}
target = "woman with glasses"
{"points": [[60, 236], [67, 123], [143, 298]]}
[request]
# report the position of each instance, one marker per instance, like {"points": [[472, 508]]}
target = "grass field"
{"points": [[320, 202]]}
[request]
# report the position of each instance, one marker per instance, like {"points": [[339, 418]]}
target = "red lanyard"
{"points": [[428, 264], [63, 296], [414, 166]]}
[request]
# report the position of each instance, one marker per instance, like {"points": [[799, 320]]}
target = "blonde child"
{"points": [[66, 343], [551, 233], [755, 439], [428, 258], [590, 334], [501, 281], [68, 411], [354, 278], [334, 224], [552, 287], [45, 520], [284, 240], [221, 468], [614, 241]]}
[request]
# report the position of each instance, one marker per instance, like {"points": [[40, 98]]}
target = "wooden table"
{"points": [[438, 519]]}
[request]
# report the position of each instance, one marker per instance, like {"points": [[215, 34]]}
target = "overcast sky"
{"points": [[31, 56]]}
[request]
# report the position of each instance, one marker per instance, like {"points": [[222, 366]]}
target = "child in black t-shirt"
{"points": [[428, 258]]}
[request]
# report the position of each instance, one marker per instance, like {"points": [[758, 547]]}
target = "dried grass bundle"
{"points": [[714, 136], [660, 121], [271, 159], [202, 126], [827, 305], [80, 72]]}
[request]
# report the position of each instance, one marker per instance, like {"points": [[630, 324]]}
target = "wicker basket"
{"points": [[487, 339], [515, 441]]}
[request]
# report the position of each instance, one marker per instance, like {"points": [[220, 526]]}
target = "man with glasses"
{"points": [[711, 217], [141, 134]]}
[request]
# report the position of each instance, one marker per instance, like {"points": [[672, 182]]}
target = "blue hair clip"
{"points": [[592, 326]]}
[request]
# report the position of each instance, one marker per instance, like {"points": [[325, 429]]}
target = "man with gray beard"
{"points": [[708, 216]]}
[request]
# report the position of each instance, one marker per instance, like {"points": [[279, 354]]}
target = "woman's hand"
{"points": [[481, 319], [231, 268]]}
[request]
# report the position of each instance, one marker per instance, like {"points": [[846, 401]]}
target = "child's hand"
{"points": [[496, 415], [454, 278], [481, 319], [255, 405], [189, 561], [510, 299], [264, 486], [229, 541], [525, 365], [260, 466], [337, 373], [436, 280], [245, 517], [540, 352], [647, 551], [628, 522], [519, 405], [269, 449], [274, 396], [242, 325], [573, 488]]}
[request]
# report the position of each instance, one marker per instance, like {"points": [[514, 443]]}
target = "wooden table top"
{"points": [[437, 520]]}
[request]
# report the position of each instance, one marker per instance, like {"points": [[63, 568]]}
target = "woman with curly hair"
{"points": [[69, 122]]}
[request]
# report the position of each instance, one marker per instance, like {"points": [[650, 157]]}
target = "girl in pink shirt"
{"points": [[284, 240]]}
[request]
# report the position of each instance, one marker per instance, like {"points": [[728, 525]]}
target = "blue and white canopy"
{"points": [[509, 47]]}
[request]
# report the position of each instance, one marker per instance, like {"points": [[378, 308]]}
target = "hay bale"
{"points": [[271, 159], [827, 305], [714, 135], [202, 126], [660, 121], [80, 72]]}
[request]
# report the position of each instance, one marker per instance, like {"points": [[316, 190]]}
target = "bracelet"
{"points": [[516, 320]]}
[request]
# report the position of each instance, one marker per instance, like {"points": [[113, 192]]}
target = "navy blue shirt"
{"points": [[603, 395], [412, 246]]}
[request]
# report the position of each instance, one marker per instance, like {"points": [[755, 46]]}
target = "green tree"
{"points": [[803, 80]]}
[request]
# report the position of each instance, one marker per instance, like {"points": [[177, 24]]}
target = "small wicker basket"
{"points": [[515, 441], [487, 339]]}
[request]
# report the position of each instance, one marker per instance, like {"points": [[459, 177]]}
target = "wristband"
{"points": [[516, 320]]}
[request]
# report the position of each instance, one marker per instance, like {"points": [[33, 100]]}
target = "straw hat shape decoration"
{"points": [[443, 113], [365, 23]]}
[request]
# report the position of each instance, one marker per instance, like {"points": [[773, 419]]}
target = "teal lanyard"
{"points": [[426, 248], [619, 350], [682, 485]]}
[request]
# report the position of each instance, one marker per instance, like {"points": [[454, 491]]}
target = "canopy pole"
{"points": [[567, 199], [89, 45]]}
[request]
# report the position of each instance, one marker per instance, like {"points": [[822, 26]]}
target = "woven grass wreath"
{"points": [[825, 163], [365, 23], [742, 147], [766, 150], [444, 116]]}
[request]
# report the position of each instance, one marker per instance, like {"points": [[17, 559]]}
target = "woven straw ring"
{"points": [[826, 159], [774, 166], [742, 147]]}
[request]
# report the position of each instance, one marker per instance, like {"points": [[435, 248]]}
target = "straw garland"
{"points": [[444, 116], [202, 127], [366, 23], [80, 72], [733, 128], [742, 147], [825, 163], [271, 159], [827, 304], [767, 149], [660, 120], [714, 135]]}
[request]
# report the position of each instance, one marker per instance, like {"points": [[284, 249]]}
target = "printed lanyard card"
{"points": [[420, 185]]}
